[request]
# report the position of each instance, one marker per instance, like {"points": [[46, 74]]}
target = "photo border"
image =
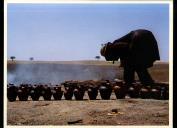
{"points": [[94, 2]]}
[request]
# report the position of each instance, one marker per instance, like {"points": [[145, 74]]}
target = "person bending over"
{"points": [[137, 52]]}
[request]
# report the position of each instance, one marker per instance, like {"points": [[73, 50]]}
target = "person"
{"points": [[137, 51]]}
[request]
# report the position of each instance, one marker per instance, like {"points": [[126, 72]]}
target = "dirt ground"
{"points": [[88, 112], [96, 112]]}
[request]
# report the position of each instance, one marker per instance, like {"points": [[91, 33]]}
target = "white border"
{"points": [[171, 64], [90, 1], [94, 2]]}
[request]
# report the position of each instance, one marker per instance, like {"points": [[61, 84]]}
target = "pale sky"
{"points": [[58, 32]]}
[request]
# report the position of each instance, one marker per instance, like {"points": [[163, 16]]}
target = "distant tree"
{"points": [[97, 57], [31, 58], [12, 58]]}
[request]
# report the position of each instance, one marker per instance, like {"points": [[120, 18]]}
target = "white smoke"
{"points": [[34, 73]]}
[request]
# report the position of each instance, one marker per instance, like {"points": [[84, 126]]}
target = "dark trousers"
{"points": [[144, 76]]}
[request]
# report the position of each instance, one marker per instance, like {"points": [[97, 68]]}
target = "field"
{"points": [[86, 112]]}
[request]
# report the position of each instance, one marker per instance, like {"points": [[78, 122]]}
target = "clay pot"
{"points": [[79, 93], [155, 93], [105, 92], [120, 91], [12, 93], [40, 88], [68, 93], [23, 93], [29, 88], [164, 93], [133, 92], [57, 93], [118, 82], [137, 86], [145, 93], [35, 93], [166, 96], [46, 93], [92, 93]]}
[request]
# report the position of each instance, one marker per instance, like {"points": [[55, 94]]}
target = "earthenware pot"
{"points": [[118, 82], [120, 91], [79, 93], [57, 93], [133, 93], [12, 93], [155, 93], [23, 93], [46, 93], [145, 93], [164, 93], [68, 93], [92, 93], [105, 92], [137, 86], [166, 96], [35, 93]]}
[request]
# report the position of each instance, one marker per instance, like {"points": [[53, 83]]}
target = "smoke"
{"points": [[48, 73], [10, 78]]}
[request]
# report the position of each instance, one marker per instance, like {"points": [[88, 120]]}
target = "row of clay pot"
{"points": [[35, 92], [105, 89], [160, 93], [139, 91], [24, 91]]}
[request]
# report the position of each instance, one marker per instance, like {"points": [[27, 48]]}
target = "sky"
{"points": [[65, 32]]}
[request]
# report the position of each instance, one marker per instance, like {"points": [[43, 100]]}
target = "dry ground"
{"points": [[97, 112], [87, 112]]}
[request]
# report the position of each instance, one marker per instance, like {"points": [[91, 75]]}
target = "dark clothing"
{"points": [[137, 50], [142, 51], [142, 48], [144, 76]]}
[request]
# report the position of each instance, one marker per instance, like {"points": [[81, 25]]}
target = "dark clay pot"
{"points": [[145, 93], [46, 93], [155, 93], [164, 93], [12, 93], [35, 93], [133, 92], [79, 93], [68, 93], [119, 83], [166, 96], [137, 86], [92, 93], [120, 91], [23, 93], [57, 93], [105, 92]]}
